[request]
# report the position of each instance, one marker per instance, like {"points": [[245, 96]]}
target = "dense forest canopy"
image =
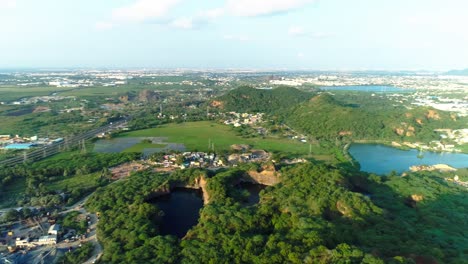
{"points": [[316, 214], [322, 116], [248, 99]]}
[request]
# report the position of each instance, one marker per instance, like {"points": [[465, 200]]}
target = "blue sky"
{"points": [[265, 34]]}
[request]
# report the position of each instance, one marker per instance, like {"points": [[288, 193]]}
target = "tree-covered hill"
{"points": [[323, 117], [317, 214], [248, 99]]}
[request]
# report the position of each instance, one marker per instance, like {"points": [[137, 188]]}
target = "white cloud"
{"points": [[298, 31], [300, 55], [103, 25], [241, 38], [7, 4], [201, 19], [251, 8], [143, 10], [183, 23], [212, 13]]}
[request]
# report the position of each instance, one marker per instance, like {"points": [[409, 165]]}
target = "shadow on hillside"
{"points": [[427, 223]]}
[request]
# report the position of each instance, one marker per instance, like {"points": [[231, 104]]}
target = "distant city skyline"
{"points": [[238, 34]]}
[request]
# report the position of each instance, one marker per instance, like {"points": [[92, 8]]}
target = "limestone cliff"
{"points": [[200, 183], [267, 176]]}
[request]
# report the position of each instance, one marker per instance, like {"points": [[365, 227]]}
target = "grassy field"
{"points": [[142, 145], [75, 182], [8, 93], [197, 135]]}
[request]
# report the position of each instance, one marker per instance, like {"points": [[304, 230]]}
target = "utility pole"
{"points": [[83, 146]]}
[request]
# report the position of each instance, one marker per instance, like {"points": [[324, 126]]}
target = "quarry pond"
{"points": [[145, 145], [381, 159], [181, 209]]}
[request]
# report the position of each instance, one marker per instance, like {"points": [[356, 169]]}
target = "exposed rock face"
{"points": [[432, 114], [399, 131], [124, 98], [343, 209], [438, 167], [41, 109], [453, 117], [345, 133], [417, 197], [148, 96], [217, 104], [163, 190], [268, 176], [240, 147], [200, 183]]}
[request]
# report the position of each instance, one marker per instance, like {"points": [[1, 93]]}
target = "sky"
{"points": [[241, 34]]}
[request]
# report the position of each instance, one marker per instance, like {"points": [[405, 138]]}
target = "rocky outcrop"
{"points": [[200, 183], [240, 147], [148, 96], [217, 104], [124, 98], [399, 131], [453, 117], [343, 209], [437, 167], [417, 197], [345, 133], [267, 176], [161, 191], [41, 109], [432, 114]]}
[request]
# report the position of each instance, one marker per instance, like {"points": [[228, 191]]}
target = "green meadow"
{"points": [[198, 135]]}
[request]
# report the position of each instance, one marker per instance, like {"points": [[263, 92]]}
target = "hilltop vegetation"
{"points": [[74, 174], [317, 214], [248, 99], [323, 117]]}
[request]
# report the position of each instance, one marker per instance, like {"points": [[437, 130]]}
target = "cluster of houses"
{"points": [[239, 119], [459, 136], [11, 143], [209, 160], [254, 155], [49, 239], [190, 160]]}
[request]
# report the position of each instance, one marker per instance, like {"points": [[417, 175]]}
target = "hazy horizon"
{"points": [[312, 35]]}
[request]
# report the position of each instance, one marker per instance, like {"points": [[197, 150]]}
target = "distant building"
{"points": [[54, 229], [20, 146], [46, 240]]}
